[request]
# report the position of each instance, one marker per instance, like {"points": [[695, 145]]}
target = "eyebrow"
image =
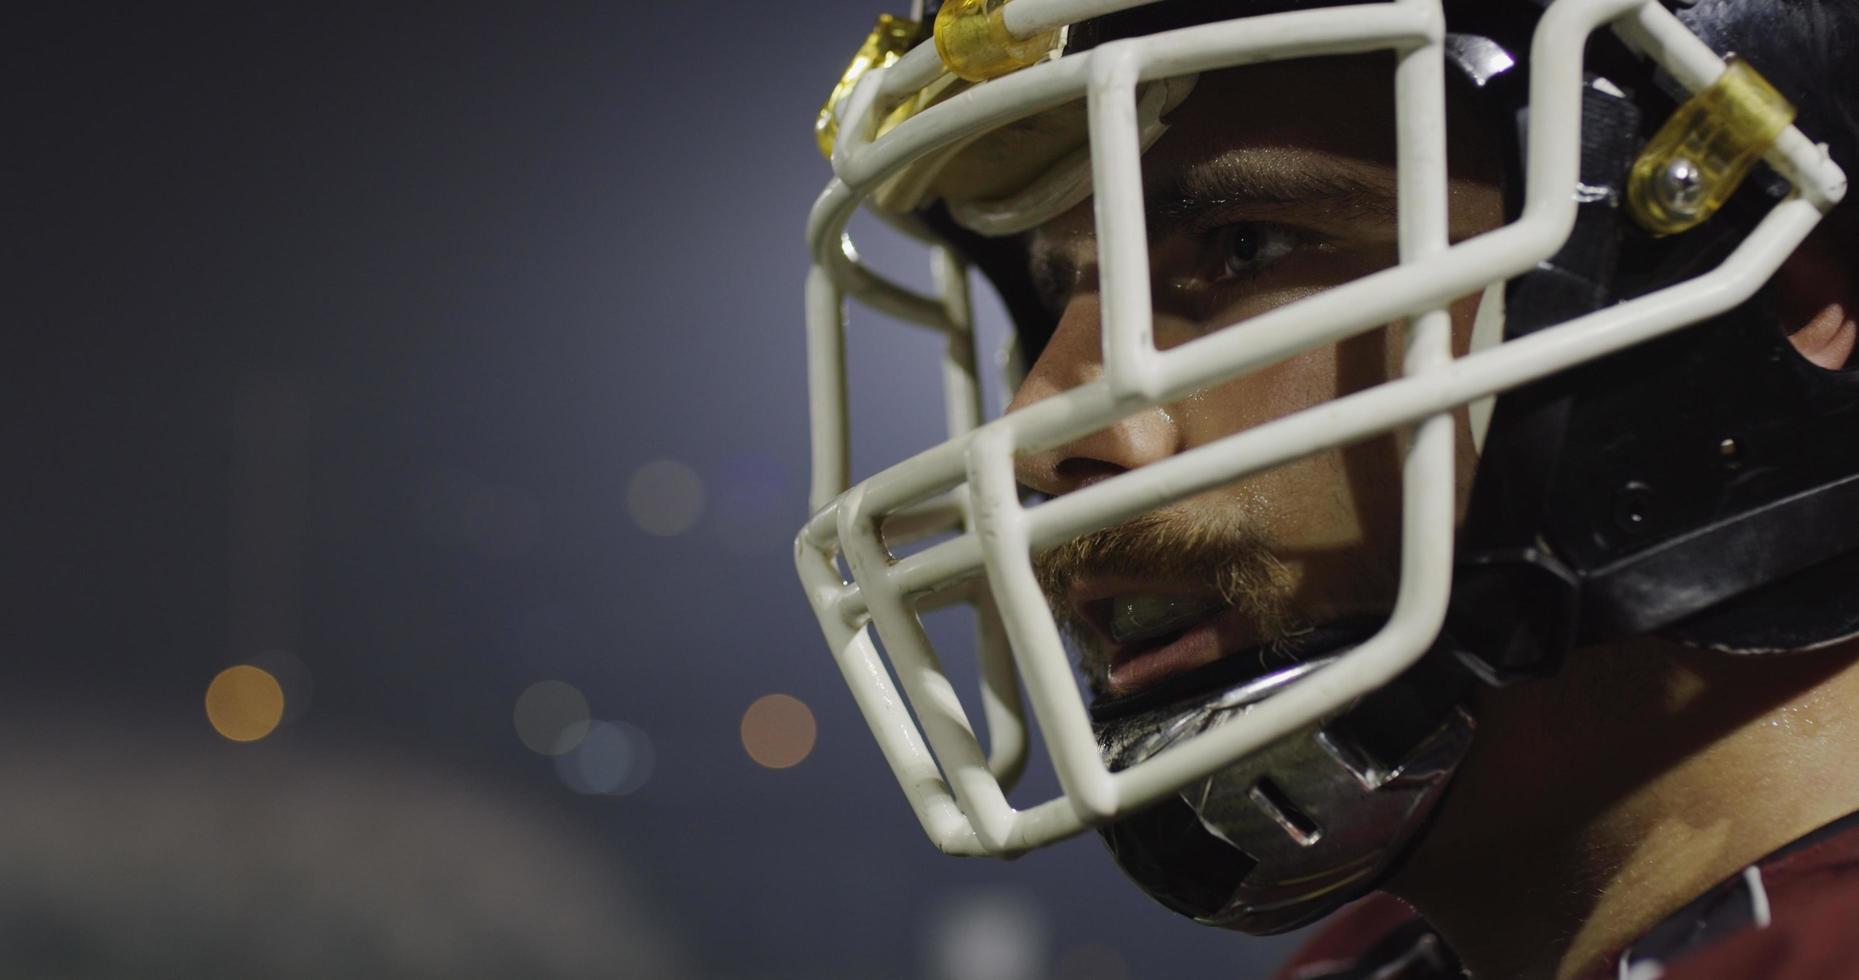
{"points": [[1265, 182]]}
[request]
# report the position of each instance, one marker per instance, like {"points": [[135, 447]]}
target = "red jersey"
{"points": [[1794, 915]]}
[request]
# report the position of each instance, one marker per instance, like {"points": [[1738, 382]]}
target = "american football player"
{"points": [[1432, 465]]}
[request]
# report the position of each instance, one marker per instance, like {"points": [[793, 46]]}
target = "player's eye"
{"points": [[1248, 248]]}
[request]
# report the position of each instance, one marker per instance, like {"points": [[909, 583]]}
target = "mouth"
{"points": [[1150, 636]]}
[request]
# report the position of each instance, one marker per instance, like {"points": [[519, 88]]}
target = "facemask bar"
{"points": [[962, 403], [960, 802]]}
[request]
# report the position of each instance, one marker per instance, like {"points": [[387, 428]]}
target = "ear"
{"points": [[1817, 302]]}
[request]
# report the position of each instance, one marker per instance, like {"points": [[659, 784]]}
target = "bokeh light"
{"points": [[615, 759], [995, 934], [665, 498], [778, 731], [244, 703], [551, 717]]}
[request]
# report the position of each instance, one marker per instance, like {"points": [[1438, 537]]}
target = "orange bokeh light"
{"points": [[778, 731], [244, 703]]}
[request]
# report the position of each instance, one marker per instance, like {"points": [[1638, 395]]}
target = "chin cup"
{"points": [[1287, 834]]}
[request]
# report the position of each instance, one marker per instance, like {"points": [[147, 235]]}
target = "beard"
{"points": [[1218, 555]]}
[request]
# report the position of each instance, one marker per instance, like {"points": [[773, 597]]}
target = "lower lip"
{"points": [[1212, 639]]}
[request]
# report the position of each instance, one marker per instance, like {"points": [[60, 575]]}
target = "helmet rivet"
{"points": [[1680, 186]]}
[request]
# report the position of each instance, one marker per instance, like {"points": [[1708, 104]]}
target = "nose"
{"points": [[1073, 357]]}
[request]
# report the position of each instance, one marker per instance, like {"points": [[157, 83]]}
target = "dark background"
{"points": [[340, 334]]}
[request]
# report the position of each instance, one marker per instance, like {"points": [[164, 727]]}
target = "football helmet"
{"points": [[1653, 454]]}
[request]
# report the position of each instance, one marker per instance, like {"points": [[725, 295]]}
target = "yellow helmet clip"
{"points": [[1695, 161]]}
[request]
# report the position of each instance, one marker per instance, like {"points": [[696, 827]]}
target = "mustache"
{"points": [[1219, 555]]}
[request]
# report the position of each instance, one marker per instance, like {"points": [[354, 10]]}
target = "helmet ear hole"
{"points": [[1816, 301], [1827, 339]]}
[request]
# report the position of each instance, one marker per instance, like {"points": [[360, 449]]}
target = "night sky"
{"points": [[419, 355]]}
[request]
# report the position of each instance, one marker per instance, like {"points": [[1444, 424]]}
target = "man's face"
{"points": [[1273, 183]]}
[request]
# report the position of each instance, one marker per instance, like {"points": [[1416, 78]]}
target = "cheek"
{"points": [[1325, 502], [1310, 378], [1335, 514]]}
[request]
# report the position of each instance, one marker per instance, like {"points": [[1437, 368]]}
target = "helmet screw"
{"points": [[1680, 186]]}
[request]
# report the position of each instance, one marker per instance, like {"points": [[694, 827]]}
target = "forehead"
{"points": [[1340, 107], [1274, 132]]}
